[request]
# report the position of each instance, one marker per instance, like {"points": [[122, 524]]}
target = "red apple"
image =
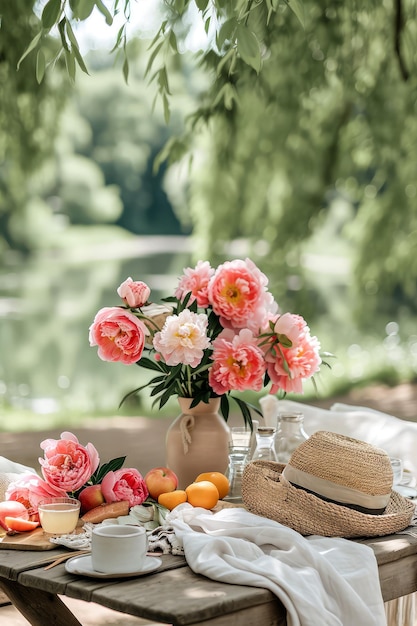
{"points": [[160, 480], [12, 508], [90, 497]]}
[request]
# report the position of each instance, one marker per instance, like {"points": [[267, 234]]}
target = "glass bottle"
{"points": [[265, 444], [239, 454], [290, 433]]}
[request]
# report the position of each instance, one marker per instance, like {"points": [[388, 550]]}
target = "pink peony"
{"points": [[183, 338], [292, 326], [134, 293], [67, 464], [124, 484], [238, 363], [288, 367], [30, 489], [238, 294], [119, 335], [195, 281]]}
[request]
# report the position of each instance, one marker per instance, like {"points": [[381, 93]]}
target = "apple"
{"points": [[12, 508], [90, 497], [160, 480]]}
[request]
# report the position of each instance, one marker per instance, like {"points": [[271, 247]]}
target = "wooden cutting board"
{"points": [[33, 540]]}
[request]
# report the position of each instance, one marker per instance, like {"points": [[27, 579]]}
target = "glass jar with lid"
{"points": [[290, 433], [265, 444]]}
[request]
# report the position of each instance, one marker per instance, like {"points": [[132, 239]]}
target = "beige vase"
{"points": [[197, 441]]}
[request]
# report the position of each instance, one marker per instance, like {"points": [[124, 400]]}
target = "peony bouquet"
{"points": [[222, 333], [68, 469]]}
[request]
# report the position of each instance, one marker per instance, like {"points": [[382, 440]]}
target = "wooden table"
{"points": [[174, 594]]}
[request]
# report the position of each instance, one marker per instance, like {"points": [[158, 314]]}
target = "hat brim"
{"points": [[265, 493]]}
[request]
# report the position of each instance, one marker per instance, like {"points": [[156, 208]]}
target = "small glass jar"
{"points": [[239, 453], [265, 444], [290, 434]]}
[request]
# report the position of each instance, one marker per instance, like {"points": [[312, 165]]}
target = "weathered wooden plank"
{"points": [[58, 581], [262, 615], [398, 578], [4, 599], [39, 607], [392, 547], [182, 598]]}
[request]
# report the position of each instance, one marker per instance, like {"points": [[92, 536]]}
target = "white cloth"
{"points": [[396, 436], [9, 472], [320, 581]]}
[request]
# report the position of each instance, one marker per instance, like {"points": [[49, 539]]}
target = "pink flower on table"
{"points": [[238, 294], [67, 464], [134, 293], [119, 335], [30, 489], [238, 363], [183, 338], [124, 484], [289, 367], [195, 281]]}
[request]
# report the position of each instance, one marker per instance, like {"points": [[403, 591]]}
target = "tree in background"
{"points": [[29, 115], [310, 102]]}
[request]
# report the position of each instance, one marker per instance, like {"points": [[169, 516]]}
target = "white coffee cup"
{"points": [[118, 549]]}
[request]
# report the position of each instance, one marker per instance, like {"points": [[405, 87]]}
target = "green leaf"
{"points": [[111, 466], [82, 8], [125, 69], [40, 66], [248, 47], [284, 341], [150, 364], [70, 62], [201, 4], [30, 47], [70, 33], [244, 410], [297, 7], [226, 32], [163, 80], [167, 112], [104, 11], [173, 41], [224, 406], [160, 32], [79, 59], [153, 56], [50, 14]]}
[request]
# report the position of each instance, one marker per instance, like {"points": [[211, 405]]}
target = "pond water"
{"points": [[47, 306], [46, 309]]}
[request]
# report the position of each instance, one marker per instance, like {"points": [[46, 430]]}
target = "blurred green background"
{"points": [[308, 167]]}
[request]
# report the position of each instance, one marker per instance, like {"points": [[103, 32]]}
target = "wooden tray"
{"points": [[33, 540]]}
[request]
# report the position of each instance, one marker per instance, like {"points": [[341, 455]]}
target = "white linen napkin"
{"points": [[321, 581]]}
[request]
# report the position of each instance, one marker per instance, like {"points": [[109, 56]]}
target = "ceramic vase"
{"points": [[197, 441]]}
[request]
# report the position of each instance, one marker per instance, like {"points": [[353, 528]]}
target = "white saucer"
{"points": [[82, 565]]}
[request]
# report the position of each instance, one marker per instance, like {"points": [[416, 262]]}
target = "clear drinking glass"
{"points": [[397, 470], [59, 516], [239, 454]]}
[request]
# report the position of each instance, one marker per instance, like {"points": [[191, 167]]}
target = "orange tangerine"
{"points": [[204, 494], [172, 499], [217, 478]]}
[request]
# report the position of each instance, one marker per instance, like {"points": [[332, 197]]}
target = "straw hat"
{"points": [[333, 485]]}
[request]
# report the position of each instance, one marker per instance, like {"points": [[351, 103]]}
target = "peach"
{"points": [[160, 480], [90, 497]]}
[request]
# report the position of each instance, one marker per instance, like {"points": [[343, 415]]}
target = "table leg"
{"points": [[37, 606]]}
